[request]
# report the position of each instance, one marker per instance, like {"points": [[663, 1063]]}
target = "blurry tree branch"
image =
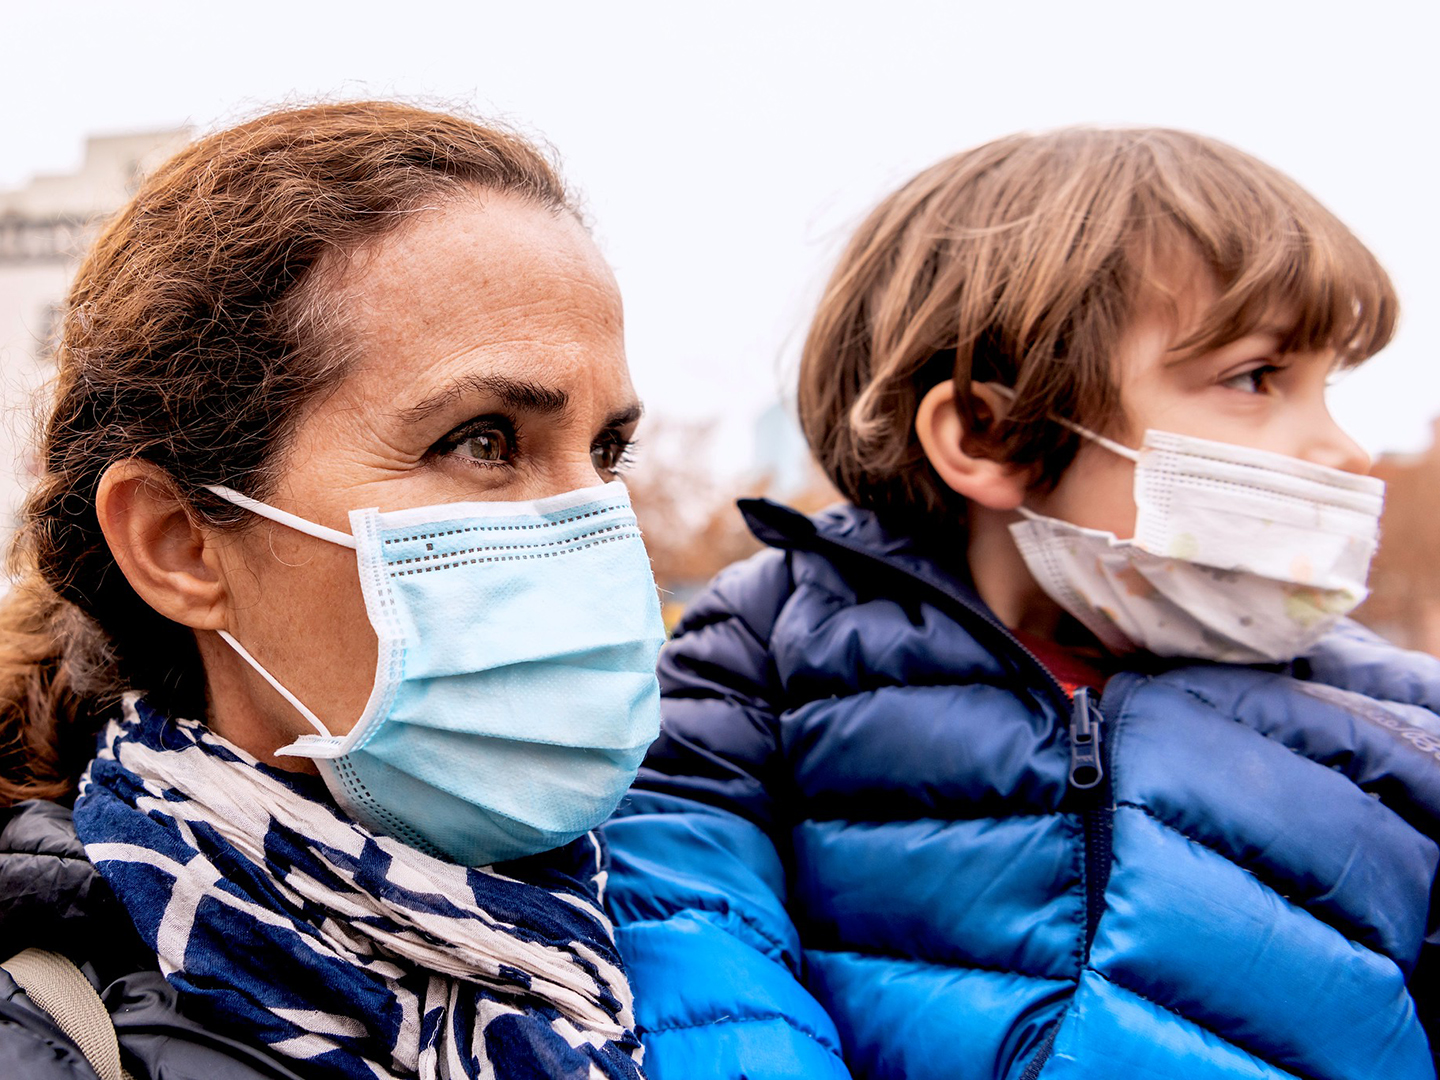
{"points": [[1404, 603], [687, 508]]}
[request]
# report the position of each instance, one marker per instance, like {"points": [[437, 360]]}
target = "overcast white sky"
{"points": [[726, 150]]}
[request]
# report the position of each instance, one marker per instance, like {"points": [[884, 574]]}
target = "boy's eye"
{"points": [[487, 441], [612, 454], [1254, 380]]}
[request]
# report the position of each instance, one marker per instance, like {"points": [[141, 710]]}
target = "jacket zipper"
{"points": [[1088, 781], [1090, 793], [1090, 786]]}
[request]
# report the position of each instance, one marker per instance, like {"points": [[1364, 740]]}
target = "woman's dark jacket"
{"points": [[861, 845], [51, 897]]}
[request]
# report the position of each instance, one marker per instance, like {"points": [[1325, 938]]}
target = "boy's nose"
{"points": [[1326, 443]]}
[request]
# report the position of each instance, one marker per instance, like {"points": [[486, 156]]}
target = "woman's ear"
{"points": [[168, 558], [997, 485]]}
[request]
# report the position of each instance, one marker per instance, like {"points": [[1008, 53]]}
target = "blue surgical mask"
{"points": [[515, 691]]}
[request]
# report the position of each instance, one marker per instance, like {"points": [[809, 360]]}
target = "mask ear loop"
{"points": [[1084, 432], [283, 517], [300, 706], [299, 524]]}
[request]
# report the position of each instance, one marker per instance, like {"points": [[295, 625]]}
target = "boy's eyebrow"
{"points": [[518, 394], [1273, 333]]}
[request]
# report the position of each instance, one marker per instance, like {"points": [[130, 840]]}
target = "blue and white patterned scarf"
{"points": [[283, 921]]}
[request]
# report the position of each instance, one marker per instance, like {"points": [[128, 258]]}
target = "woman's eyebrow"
{"points": [[518, 394], [626, 416]]}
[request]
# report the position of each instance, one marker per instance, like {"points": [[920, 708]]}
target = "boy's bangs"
{"points": [[1303, 275]]}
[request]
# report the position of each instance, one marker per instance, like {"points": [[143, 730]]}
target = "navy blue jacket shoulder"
{"points": [[877, 839], [51, 897]]}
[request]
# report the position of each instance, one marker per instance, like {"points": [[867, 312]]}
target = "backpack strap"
{"points": [[57, 986]]}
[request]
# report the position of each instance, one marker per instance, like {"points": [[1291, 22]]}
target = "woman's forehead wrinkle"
{"points": [[487, 276]]}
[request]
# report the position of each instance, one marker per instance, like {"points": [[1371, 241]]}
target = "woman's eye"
{"points": [[490, 442], [612, 455], [1255, 380]]}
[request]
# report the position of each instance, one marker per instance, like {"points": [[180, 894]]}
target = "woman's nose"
{"points": [[578, 471]]}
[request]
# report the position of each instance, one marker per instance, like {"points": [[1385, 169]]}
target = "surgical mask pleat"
{"points": [[503, 593], [509, 705], [508, 771]]}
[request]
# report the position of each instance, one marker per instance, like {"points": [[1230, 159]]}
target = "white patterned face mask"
{"points": [[1239, 555]]}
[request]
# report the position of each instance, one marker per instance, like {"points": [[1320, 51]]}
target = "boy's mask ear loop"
{"points": [[997, 416], [1084, 432], [1001, 389]]}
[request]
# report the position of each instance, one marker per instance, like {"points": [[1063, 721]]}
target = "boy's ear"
{"points": [[997, 485], [168, 558]]}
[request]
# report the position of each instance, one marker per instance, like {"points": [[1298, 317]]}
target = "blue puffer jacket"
{"points": [[860, 846]]}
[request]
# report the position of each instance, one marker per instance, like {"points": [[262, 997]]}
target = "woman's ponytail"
{"points": [[54, 664]]}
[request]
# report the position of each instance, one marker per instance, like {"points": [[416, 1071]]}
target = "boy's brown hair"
{"points": [[1023, 262]]}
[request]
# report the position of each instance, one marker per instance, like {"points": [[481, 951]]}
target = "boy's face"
{"points": [[1245, 393]]}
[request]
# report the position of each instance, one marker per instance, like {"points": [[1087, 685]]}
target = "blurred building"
{"points": [[1404, 603], [44, 228], [781, 454]]}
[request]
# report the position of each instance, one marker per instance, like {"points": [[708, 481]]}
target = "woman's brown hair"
{"points": [[196, 331], [1023, 262]]}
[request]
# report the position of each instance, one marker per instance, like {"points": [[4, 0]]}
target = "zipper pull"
{"points": [[1086, 768]]}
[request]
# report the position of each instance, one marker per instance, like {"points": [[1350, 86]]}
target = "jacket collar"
{"points": [[51, 896], [845, 534], [938, 562]]}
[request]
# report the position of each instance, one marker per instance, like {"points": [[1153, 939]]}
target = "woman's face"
{"points": [[490, 364]]}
